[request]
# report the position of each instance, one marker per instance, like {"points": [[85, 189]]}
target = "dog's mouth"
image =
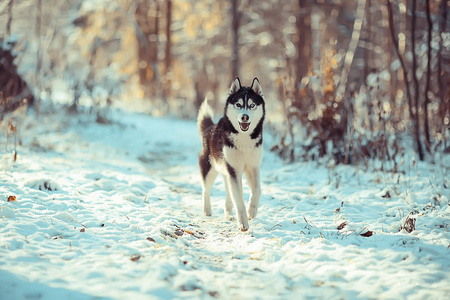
{"points": [[244, 126]]}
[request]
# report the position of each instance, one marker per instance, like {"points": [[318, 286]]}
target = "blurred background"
{"points": [[351, 80]]}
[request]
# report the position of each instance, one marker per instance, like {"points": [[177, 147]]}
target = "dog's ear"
{"points": [[235, 86], [256, 87]]}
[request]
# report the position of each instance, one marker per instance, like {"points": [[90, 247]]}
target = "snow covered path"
{"points": [[114, 212]]}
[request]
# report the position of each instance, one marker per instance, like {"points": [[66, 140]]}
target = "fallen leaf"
{"points": [[12, 128], [319, 283], [341, 226], [179, 232], [410, 224], [83, 230], [367, 233], [213, 294], [151, 240], [387, 195], [12, 198], [135, 257]]}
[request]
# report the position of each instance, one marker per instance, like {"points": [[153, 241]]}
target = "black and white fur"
{"points": [[233, 147]]}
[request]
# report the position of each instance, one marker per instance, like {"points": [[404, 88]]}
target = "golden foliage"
{"points": [[328, 66], [199, 17]]}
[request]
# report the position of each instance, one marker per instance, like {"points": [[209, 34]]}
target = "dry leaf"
{"points": [[151, 240], [387, 195], [367, 234], [342, 225], [135, 257], [12, 128], [410, 223], [12, 198], [83, 230]]}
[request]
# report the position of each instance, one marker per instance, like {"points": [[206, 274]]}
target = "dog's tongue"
{"points": [[244, 126]]}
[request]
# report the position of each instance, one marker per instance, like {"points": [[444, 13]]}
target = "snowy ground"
{"points": [[114, 211]]}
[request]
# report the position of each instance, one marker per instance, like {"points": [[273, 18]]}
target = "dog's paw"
{"points": [[229, 216], [251, 212], [243, 227], [243, 224], [207, 212]]}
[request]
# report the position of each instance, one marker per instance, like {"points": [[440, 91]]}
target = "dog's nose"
{"points": [[244, 118]]}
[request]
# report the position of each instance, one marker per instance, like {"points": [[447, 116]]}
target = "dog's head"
{"points": [[245, 106]]}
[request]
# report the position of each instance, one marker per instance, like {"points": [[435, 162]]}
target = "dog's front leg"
{"points": [[228, 201], [252, 175], [208, 182], [235, 184]]}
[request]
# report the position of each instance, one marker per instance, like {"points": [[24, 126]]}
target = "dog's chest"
{"points": [[244, 151], [243, 142]]}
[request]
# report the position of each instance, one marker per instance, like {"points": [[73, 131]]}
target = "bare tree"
{"points": [[168, 51], [167, 82], [236, 17], [303, 24], [38, 52], [415, 81], [147, 25], [427, 86], [444, 105], [368, 31], [8, 22], [349, 55], [399, 55]]}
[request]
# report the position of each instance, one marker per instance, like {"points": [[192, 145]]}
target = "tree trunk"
{"points": [[444, 105], [8, 22], [368, 31], [235, 29], [400, 57], [38, 54], [427, 86], [416, 82], [147, 49], [168, 51], [303, 44], [349, 55]]}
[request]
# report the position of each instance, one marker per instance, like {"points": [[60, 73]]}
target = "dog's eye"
{"points": [[238, 105], [252, 106]]}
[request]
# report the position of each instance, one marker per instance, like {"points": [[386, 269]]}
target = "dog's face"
{"points": [[245, 106]]}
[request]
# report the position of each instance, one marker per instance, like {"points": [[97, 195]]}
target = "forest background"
{"points": [[349, 80]]}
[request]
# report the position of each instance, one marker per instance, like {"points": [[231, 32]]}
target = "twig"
{"points": [[376, 171], [276, 225], [284, 207]]}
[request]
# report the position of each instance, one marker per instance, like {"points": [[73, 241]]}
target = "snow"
{"points": [[114, 211]]}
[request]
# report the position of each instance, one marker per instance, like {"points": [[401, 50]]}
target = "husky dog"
{"points": [[233, 147]]}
